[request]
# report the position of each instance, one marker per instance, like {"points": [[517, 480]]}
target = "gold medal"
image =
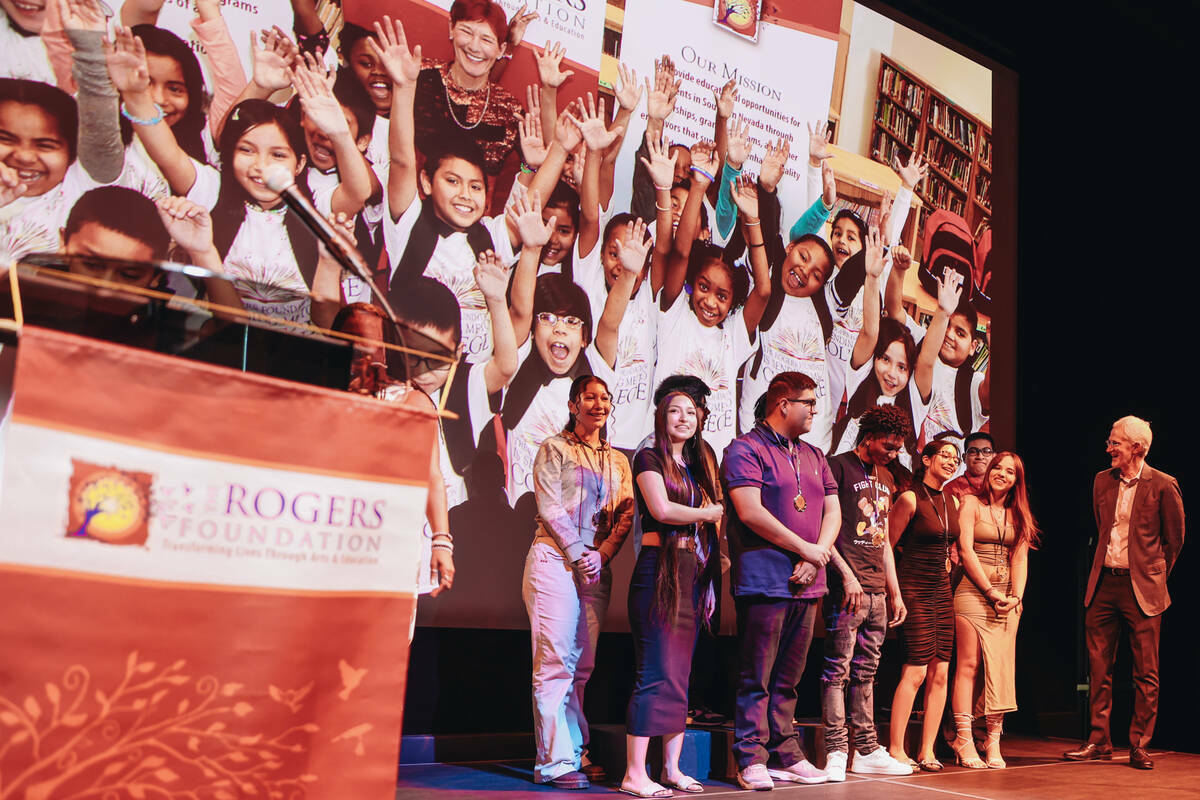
{"points": [[800, 503], [948, 565]]}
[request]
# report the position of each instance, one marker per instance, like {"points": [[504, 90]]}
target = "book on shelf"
{"points": [[950, 161], [951, 124], [883, 147], [985, 151], [902, 89], [983, 190], [896, 121]]}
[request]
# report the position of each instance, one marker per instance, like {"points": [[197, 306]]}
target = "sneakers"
{"points": [[755, 777], [835, 766], [878, 762], [800, 772]]}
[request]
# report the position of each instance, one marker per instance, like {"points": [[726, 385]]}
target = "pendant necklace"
{"points": [[798, 502], [944, 518]]}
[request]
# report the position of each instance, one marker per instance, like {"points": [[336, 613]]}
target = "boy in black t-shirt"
{"points": [[862, 578]]}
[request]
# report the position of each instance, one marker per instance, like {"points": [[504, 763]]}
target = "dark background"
{"points": [[1106, 247]]}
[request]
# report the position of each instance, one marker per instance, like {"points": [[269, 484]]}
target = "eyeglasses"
{"points": [[953, 459], [811, 402], [570, 320], [980, 451]]}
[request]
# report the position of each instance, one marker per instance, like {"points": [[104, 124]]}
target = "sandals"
{"points": [[930, 765], [963, 740], [686, 783], [652, 790]]}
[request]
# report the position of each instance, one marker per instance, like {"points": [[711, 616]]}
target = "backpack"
{"points": [[983, 274], [948, 244]]}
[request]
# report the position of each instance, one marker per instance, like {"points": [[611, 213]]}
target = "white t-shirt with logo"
{"points": [[261, 252], [453, 265], [714, 355], [794, 343]]}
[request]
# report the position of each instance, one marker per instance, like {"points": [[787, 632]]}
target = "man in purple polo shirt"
{"points": [[784, 517]]}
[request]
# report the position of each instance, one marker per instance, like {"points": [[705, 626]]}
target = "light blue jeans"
{"points": [[564, 626]]}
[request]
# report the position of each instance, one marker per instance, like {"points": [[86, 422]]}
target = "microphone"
{"points": [[279, 179]]}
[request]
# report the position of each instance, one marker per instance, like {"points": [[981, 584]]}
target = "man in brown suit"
{"points": [[1139, 517]]}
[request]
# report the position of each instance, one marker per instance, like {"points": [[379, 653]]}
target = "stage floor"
{"points": [[1034, 771]]}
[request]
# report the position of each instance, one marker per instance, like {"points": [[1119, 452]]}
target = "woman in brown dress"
{"points": [[926, 521], [996, 530], [458, 98]]}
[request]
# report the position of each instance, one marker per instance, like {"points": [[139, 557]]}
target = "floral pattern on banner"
{"points": [[160, 732]]}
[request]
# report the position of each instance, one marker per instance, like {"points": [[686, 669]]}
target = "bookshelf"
{"points": [[912, 115]]}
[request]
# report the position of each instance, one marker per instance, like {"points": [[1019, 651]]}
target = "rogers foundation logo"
{"points": [[738, 16], [108, 504]]}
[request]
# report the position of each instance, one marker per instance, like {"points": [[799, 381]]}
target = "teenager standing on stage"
{"points": [[862, 579], [996, 530], [673, 587], [926, 519], [584, 494], [784, 518]]}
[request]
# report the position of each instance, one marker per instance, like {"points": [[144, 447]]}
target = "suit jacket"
{"points": [[1155, 534]]}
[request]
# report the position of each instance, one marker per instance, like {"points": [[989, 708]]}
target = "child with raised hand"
{"points": [[261, 243], [961, 397], [559, 348], [58, 147], [442, 236], [706, 331], [846, 238], [882, 363], [797, 322], [186, 169], [179, 65], [338, 173]]}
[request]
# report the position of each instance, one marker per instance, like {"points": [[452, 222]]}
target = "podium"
{"points": [[208, 553]]}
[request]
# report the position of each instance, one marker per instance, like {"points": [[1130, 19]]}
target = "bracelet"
{"points": [[703, 172], [662, 188], [157, 118], [442, 546], [528, 170], [445, 534], [750, 224], [760, 244], [668, 209]]}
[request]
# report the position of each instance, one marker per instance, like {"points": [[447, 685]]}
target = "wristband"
{"points": [[528, 170], [157, 118], [703, 172], [760, 244], [660, 208], [662, 188]]}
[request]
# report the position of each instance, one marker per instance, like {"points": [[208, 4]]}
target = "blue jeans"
{"points": [[773, 639], [852, 646]]}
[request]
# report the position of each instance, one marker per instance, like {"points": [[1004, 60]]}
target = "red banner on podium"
{"points": [[211, 580]]}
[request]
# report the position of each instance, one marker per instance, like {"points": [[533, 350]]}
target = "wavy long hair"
{"points": [[702, 466], [1016, 500]]}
